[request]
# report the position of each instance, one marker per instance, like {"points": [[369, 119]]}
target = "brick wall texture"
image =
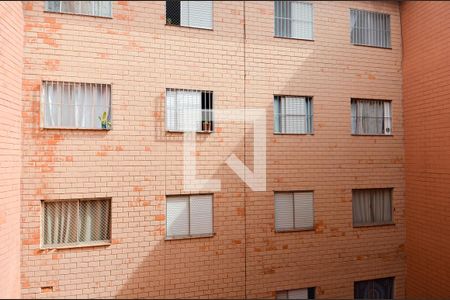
{"points": [[426, 40], [11, 65]]}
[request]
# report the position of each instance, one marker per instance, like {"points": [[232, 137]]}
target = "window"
{"points": [[374, 289], [308, 293], [294, 19], [189, 216], [190, 13], [372, 207], [189, 110], [76, 105], [76, 222], [294, 210], [91, 8], [372, 117], [293, 114], [370, 28]]}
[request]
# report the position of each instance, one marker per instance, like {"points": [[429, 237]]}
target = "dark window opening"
{"points": [[207, 111], [173, 9]]}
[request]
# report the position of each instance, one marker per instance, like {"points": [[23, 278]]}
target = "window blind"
{"points": [[197, 14], [303, 210], [371, 117], [294, 211], [75, 222], [189, 216], [294, 19], [372, 206], [76, 105], [92, 8], [370, 28]]}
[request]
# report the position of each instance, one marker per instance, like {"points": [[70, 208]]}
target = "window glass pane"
{"points": [[94, 220], [293, 19], [372, 206], [184, 110], [371, 117], [370, 28], [177, 221], [201, 214], [374, 289], [93, 8], [284, 211], [173, 9], [60, 223]]}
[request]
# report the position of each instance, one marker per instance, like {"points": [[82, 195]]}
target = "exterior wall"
{"points": [[426, 41], [11, 65], [138, 163]]}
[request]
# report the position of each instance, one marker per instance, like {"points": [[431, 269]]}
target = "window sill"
{"points": [[76, 14], [184, 26], [295, 230], [90, 245], [75, 128], [373, 225], [371, 46], [356, 134], [293, 38], [281, 133], [189, 237]]}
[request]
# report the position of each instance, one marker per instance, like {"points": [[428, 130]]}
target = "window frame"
{"points": [[43, 103], [372, 134], [212, 121], [370, 45], [375, 224], [309, 99], [312, 39], [189, 235], [77, 244], [309, 290], [46, 10], [186, 26], [295, 229], [373, 280]]}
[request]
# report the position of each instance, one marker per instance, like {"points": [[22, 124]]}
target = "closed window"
{"points": [[370, 28], [189, 110], [294, 19], [190, 13], [76, 105], [293, 114], [308, 293], [382, 288], [372, 207], [372, 117], [294, 210], [76, 222], [189, 216], [91, 8]]}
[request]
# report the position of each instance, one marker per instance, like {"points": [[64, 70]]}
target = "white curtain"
{"points": [[372, 206], [95, 8], [76, 105], [387, 118], [94, 220], [197, 14], [60, 222], [368, 116], [183, 110]]}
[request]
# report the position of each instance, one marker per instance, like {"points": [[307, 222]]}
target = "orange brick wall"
{"points": [[426, 40], [138, 163], [11, 65]]}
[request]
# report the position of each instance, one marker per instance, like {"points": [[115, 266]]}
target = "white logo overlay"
{"points": [[255, 179]]}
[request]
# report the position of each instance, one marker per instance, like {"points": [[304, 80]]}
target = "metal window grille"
{"points": [[293, 19], [75, 222], [370, 28], [371, 117], [308, 293], [189, 110], [293, 115], [382, 288], [89, 8], [372, 206], [294, 210], [197, 14], [76, 105], [189, 216]]}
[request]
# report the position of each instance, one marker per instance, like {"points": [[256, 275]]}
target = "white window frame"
{"points": [[289, 20], [77, 244], [294, 227], [189, 235], [371, 39], [109, 16]]}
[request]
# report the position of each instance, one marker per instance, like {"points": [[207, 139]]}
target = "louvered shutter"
{"points": [[294, 109], [284, 210], [298, 294], [201, 210], [177, 216], [197, 14], [304, 211]]}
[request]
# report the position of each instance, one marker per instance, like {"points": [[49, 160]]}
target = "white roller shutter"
{"points": [[201, 209], [284, 211], [302, 20], [295, 111], [304, 211], [177, 216], [298, 294], [197, 14]]}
